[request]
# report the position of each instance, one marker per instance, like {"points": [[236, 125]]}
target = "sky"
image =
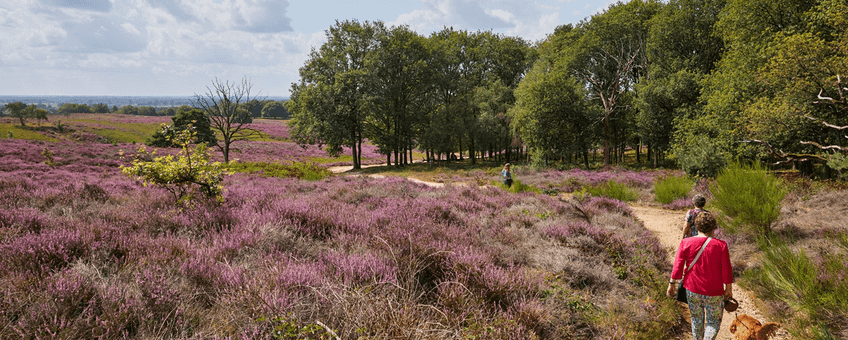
{"points": [[178, 47]]}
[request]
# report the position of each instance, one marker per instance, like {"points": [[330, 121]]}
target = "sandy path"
{"points": [[668, 226], [349, 168]]}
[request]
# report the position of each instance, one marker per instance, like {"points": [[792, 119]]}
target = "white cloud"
{"points": [[177, 46], [521, 18], [87, 5]]}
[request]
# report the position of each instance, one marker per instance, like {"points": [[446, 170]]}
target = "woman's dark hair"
{"points": [[699, 201], [705, 222]]}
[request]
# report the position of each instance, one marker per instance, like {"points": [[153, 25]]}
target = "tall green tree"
{"points": [[330, 104], [227, 105], [802, 113], [609, 58], [682, 49], [401, 82], [733, 94], [552, 113], [186, 117]]}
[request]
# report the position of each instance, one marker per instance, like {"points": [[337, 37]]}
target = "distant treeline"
{"points": [[265, 109]]}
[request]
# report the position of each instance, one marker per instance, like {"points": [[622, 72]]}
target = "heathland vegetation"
{"points": [[740, 100]]}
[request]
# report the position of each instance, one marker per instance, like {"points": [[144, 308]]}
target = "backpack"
{"points": [[691, 220]]}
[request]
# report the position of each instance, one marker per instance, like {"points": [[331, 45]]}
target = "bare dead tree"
{"points": [[610, 83], [841, 101], [228, 107]]}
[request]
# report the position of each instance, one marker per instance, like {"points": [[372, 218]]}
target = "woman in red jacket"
{"points": [[708, 282]]}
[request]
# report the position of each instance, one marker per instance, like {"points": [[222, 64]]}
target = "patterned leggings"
{"points": [[705, 307]]}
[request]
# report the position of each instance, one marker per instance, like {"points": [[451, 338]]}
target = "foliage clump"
{"points": [[612, 189], [700, 156], [813, 283], [185, 118], [671, 188], [189, 172], [749, 195]]}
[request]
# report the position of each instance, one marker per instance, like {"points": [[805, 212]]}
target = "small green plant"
{"points": [[182, 175], [9, 134], [749, 196], [670, 188], [60, 127], [518, 187], [285, 329], [48, 157], [614, 190]]}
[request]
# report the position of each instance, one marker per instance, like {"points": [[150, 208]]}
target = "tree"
{"points": [[682, 49], [187, 117], [74, 108], [146, 111], [552, 114], [807, 109], [274, 109], [330, 104], [738, 104], [128, 110], [16, 110], [228, 106], [100, 108], [609, 55], [401, 77]]}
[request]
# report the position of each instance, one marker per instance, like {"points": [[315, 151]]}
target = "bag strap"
{"points": [[697, 256]]}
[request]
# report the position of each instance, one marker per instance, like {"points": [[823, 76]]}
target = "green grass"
{"points": [[116, 131], [518, 187], [307, 171], [811, 286], [671, 188], [614, 190], [19, 132]]}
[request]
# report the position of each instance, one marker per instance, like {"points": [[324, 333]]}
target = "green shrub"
{"points": [[518, 187], [671, 188], [813, 287], [614, 190], [749, 196], [182, 175], [700, 157]]}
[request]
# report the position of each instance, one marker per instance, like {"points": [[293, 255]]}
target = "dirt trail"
{"points": [[668, 226], [349, 168]]}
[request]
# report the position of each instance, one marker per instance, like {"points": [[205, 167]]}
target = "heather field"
{"points": [[271, 145], [87, 252]]}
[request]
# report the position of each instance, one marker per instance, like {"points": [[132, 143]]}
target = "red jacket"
{"points": [[712, 270]]}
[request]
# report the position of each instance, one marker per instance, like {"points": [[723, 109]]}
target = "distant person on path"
{"points": [[689, 229], [709, 282], [507, 176]]}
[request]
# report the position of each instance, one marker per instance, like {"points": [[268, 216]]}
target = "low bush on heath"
{"points": [[670, 188], [749, 195], [811, 283], [614, 190]]}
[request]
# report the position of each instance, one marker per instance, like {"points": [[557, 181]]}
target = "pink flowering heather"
{"points": [[86, 252]]}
